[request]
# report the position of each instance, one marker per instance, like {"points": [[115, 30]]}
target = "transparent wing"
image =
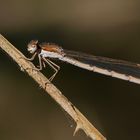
{"points": [[124, 67]]}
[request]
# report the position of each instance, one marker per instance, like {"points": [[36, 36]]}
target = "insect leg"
{"points": [[53, 66], [32, 58], [40, 62], [58, 68]]}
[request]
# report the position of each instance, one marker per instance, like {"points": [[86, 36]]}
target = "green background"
{"points": [[107, 28]]}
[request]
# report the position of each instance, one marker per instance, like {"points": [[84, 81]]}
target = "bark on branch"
{"points": [[78, 117]]}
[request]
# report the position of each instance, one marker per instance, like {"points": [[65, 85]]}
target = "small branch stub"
{"points": [[78, 117]]}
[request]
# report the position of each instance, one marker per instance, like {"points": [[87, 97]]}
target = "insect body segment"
{"points": [[45, 51], [51, 51], [32, 46]]}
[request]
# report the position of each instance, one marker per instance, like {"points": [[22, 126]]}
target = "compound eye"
{"points": [[33, 46]]}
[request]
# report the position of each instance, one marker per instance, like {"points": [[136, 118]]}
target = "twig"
{"points": [[81, 121]]}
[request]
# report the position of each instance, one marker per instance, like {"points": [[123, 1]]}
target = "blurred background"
{"points": [[107, 28]]}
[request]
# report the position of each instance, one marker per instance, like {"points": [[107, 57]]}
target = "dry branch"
{"points": [[81, 121]]}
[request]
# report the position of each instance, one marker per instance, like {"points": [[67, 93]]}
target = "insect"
{"points": [[116, 68]]}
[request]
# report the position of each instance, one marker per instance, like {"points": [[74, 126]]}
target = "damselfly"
{"points": [[116, 68]]}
